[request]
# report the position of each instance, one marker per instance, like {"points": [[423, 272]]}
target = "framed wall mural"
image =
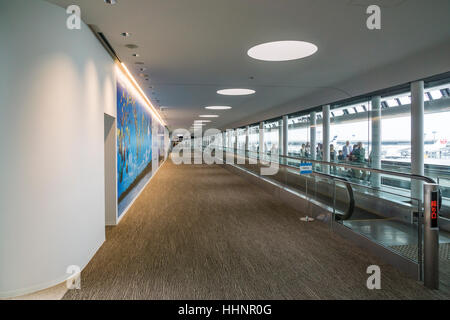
{"points": [[134, 145]]}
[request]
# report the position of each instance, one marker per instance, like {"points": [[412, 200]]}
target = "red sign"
{"points": [[434, 210]]}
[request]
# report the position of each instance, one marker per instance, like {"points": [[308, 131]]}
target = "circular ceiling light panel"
{"points": [[218, 107], [208, 116], [236, 92], [282, 50]]}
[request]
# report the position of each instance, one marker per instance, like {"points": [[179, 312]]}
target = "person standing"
{"points": [[303, 151], [332, 153], [347, 149]]}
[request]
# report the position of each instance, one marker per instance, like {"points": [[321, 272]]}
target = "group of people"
{"points": [[349, 153], [355, 153]]}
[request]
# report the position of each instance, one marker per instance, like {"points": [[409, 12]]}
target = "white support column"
{"points": [[280, 137], [417, 139], [326, 136], [284, 149], [375, 155], [312, 124], [261, 140], [247, 133], [235, 137], [224, 139], [229, 145]]}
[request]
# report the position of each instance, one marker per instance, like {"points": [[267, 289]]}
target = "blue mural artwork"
{"points": [[134, 142]]}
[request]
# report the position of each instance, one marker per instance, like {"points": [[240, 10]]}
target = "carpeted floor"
{"points": [[200, 232]]}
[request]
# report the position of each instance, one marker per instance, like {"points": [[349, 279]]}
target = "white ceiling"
{"points": [[192, 48]]}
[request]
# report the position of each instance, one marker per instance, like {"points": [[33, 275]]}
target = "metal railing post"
{"points": [[419, 239], [431, 235]]}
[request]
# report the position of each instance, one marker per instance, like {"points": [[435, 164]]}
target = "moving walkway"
{"points": [[389, 222]]}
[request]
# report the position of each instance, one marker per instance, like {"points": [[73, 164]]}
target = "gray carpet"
{"points": [[200, 232]]}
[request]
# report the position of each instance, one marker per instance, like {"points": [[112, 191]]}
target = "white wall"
{"points": [[55, 86]]}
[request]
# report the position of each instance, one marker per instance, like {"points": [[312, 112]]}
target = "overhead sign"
{"points": [[306, 168], [434, 210]]}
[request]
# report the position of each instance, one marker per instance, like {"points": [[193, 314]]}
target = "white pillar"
{"points": [[235, 137], [375, 156], [280, 137], [284, 149], [247, 133], [312, 124], [417, 139], [326, 136], [224, 139], [261, 139]]}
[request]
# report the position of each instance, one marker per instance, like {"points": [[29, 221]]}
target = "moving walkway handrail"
{"points": [[348, 185], [355, 167], [351, 196], [374, 170], [369, 169], [352, 166]]}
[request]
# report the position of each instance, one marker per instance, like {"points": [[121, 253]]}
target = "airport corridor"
{"points": [[201, 232]]}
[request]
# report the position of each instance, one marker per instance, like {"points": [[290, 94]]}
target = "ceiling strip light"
{"points": [[152, 109]]}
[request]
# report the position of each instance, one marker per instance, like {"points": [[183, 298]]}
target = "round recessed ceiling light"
{"points": [[282, 50], [135, 55], [218, 107], [236, 92], [125, 34], [208, 116]]}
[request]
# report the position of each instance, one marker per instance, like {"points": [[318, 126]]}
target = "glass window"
{"points": [[437, 136], [241, 137], [230, 139], [396, 130], [253, 138], [349, 127], [272, 136], [298, 136]]}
